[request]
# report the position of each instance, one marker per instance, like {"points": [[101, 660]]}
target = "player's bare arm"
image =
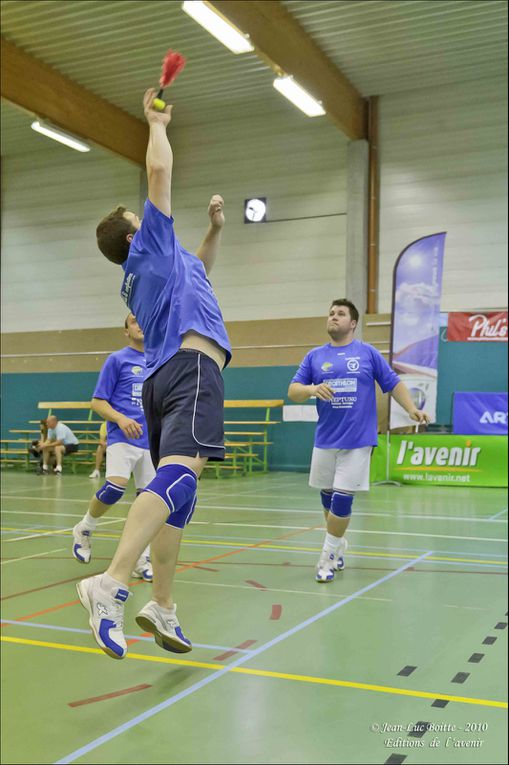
{"points": [[128, 426], [300, 393], [209, 248], [159, 158], [402, 395]]}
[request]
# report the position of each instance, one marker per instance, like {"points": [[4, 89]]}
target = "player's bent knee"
{"points": [[326, 497], [176, 485], [110, 493], [341, 504]]}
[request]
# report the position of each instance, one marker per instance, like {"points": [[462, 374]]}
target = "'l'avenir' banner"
{"points": [[481, 327]]}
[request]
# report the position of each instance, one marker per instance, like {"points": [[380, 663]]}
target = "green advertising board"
{"points": [[441, 459]]}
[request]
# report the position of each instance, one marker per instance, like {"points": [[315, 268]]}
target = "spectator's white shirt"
{"points": [[62, 433]]}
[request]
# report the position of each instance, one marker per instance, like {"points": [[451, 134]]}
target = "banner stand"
{"points": [[387, 481]]}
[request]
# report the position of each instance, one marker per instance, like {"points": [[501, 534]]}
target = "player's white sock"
{"points": [[89, 522], [45, 466], [331, 544]]}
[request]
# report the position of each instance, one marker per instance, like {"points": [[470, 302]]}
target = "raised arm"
{"points": [[208, 249], [159, 157]]}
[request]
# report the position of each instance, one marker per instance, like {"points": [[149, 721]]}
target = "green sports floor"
{"points": [[401, 659]]}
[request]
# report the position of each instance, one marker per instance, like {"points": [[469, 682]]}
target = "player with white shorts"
{"points": [[117, 398], [341, 375]]}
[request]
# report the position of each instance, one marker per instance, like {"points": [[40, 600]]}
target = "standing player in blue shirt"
{"points": [[117, 398], [186, 347], [342, 376]]}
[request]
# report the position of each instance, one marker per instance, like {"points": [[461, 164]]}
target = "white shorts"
{"points": [[342, 469], [124, 459]]}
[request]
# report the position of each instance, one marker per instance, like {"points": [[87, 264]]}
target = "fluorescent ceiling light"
{"points": [[222, 30], [298, 96], [59, 135]]}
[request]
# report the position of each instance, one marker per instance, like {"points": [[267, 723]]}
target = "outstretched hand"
{"points": [[153, 115], [215, 211], [421, 417]]}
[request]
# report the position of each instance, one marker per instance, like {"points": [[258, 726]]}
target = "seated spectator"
{"points": [[36, 450], [100, 452], [61, 440]]}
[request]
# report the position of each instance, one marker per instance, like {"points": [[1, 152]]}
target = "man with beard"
{"points": [[341, 375]]}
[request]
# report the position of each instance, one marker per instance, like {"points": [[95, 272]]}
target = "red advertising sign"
{"points": [[486, 327]]}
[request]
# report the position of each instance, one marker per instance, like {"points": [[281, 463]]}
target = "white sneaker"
{"points": [[106, 610], [339, 563], [325, 568], [164, 626], [81, 548], [143, 569], [58, 470], [95, 474]]}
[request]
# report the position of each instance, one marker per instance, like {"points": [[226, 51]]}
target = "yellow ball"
{"points": [[159, 104]]}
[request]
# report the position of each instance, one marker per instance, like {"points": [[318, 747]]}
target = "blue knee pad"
{"points": [[176, 486], [110, 493], [326, 497], [341, 504]]}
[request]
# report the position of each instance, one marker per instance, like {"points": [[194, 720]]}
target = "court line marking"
{"points": [[54, 532], [494, 517], [350, 531], [150, 639], [204, 505], [26, 557], [235, 669], [236, 663]]}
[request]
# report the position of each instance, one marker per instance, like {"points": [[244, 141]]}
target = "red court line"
{"points": [[255, 584], [276, 611], [47, 586], [206, 568], [130, 641], [233, 652], [108, 695]]}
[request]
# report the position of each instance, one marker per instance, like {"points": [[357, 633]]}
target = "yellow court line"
{"points": [[270, 546], [268, 673]]}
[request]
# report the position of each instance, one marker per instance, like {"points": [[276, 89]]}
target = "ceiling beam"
{"points": [[282, 43], [36, 87]]}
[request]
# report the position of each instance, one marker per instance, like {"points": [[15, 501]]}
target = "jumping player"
{"points": [[186, 347], [342, 376]]}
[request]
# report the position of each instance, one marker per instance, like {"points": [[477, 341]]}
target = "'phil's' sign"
{"points": [[478, 327]]}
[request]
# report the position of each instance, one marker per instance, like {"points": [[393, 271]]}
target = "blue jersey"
{"points": [[167, 290], [349, 421], [120, 384]]}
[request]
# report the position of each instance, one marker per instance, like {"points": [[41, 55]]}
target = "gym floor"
{"points": [[401, 659]]}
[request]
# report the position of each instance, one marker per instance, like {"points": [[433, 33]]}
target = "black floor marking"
{"points": [[395, 759], [440, 703], [460, 677], [407, 670], [489, 640], [419, 729], [476, 658], [501, 626]]}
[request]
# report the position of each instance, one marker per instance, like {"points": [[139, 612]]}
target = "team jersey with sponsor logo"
{"points": [[349, 421], [167, 289], [120, 384]]}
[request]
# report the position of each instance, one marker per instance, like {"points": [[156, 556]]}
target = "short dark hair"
{"points": [[354, 313], [112, 234]]}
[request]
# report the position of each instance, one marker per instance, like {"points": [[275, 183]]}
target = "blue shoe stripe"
{"points": [[122, 595], [180, 634], [76, 549], [104, 633]]}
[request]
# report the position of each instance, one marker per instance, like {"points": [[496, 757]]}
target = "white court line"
{"points": [[494, 517], [54, 532], [26, 557], [97, 742]]}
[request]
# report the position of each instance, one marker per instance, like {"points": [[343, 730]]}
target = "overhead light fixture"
{"points": [[298, 96], [60, 136], [222, 30]]}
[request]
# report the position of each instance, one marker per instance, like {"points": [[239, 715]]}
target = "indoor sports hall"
{"points": [[309, 206]]}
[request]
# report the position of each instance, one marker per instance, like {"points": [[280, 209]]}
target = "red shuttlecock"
{"points": [[173, 63]]}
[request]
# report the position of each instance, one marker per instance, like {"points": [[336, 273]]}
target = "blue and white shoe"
{"points": [[143, 568], [163, 624], [81, 548], [326, 568], [105, 606], [339, 562]]}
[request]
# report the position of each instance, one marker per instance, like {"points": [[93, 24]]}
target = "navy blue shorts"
{"points": [[184, 407]]}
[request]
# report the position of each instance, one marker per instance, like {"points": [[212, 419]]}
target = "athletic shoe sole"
{"points": [[85, 602], [163, 641]]}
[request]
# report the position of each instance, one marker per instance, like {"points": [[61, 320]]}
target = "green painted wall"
{"points": [[462, 366]]}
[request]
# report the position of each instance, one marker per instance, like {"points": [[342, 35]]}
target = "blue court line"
{"points": [[129, 637], [493, 517], [242, 660]]}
